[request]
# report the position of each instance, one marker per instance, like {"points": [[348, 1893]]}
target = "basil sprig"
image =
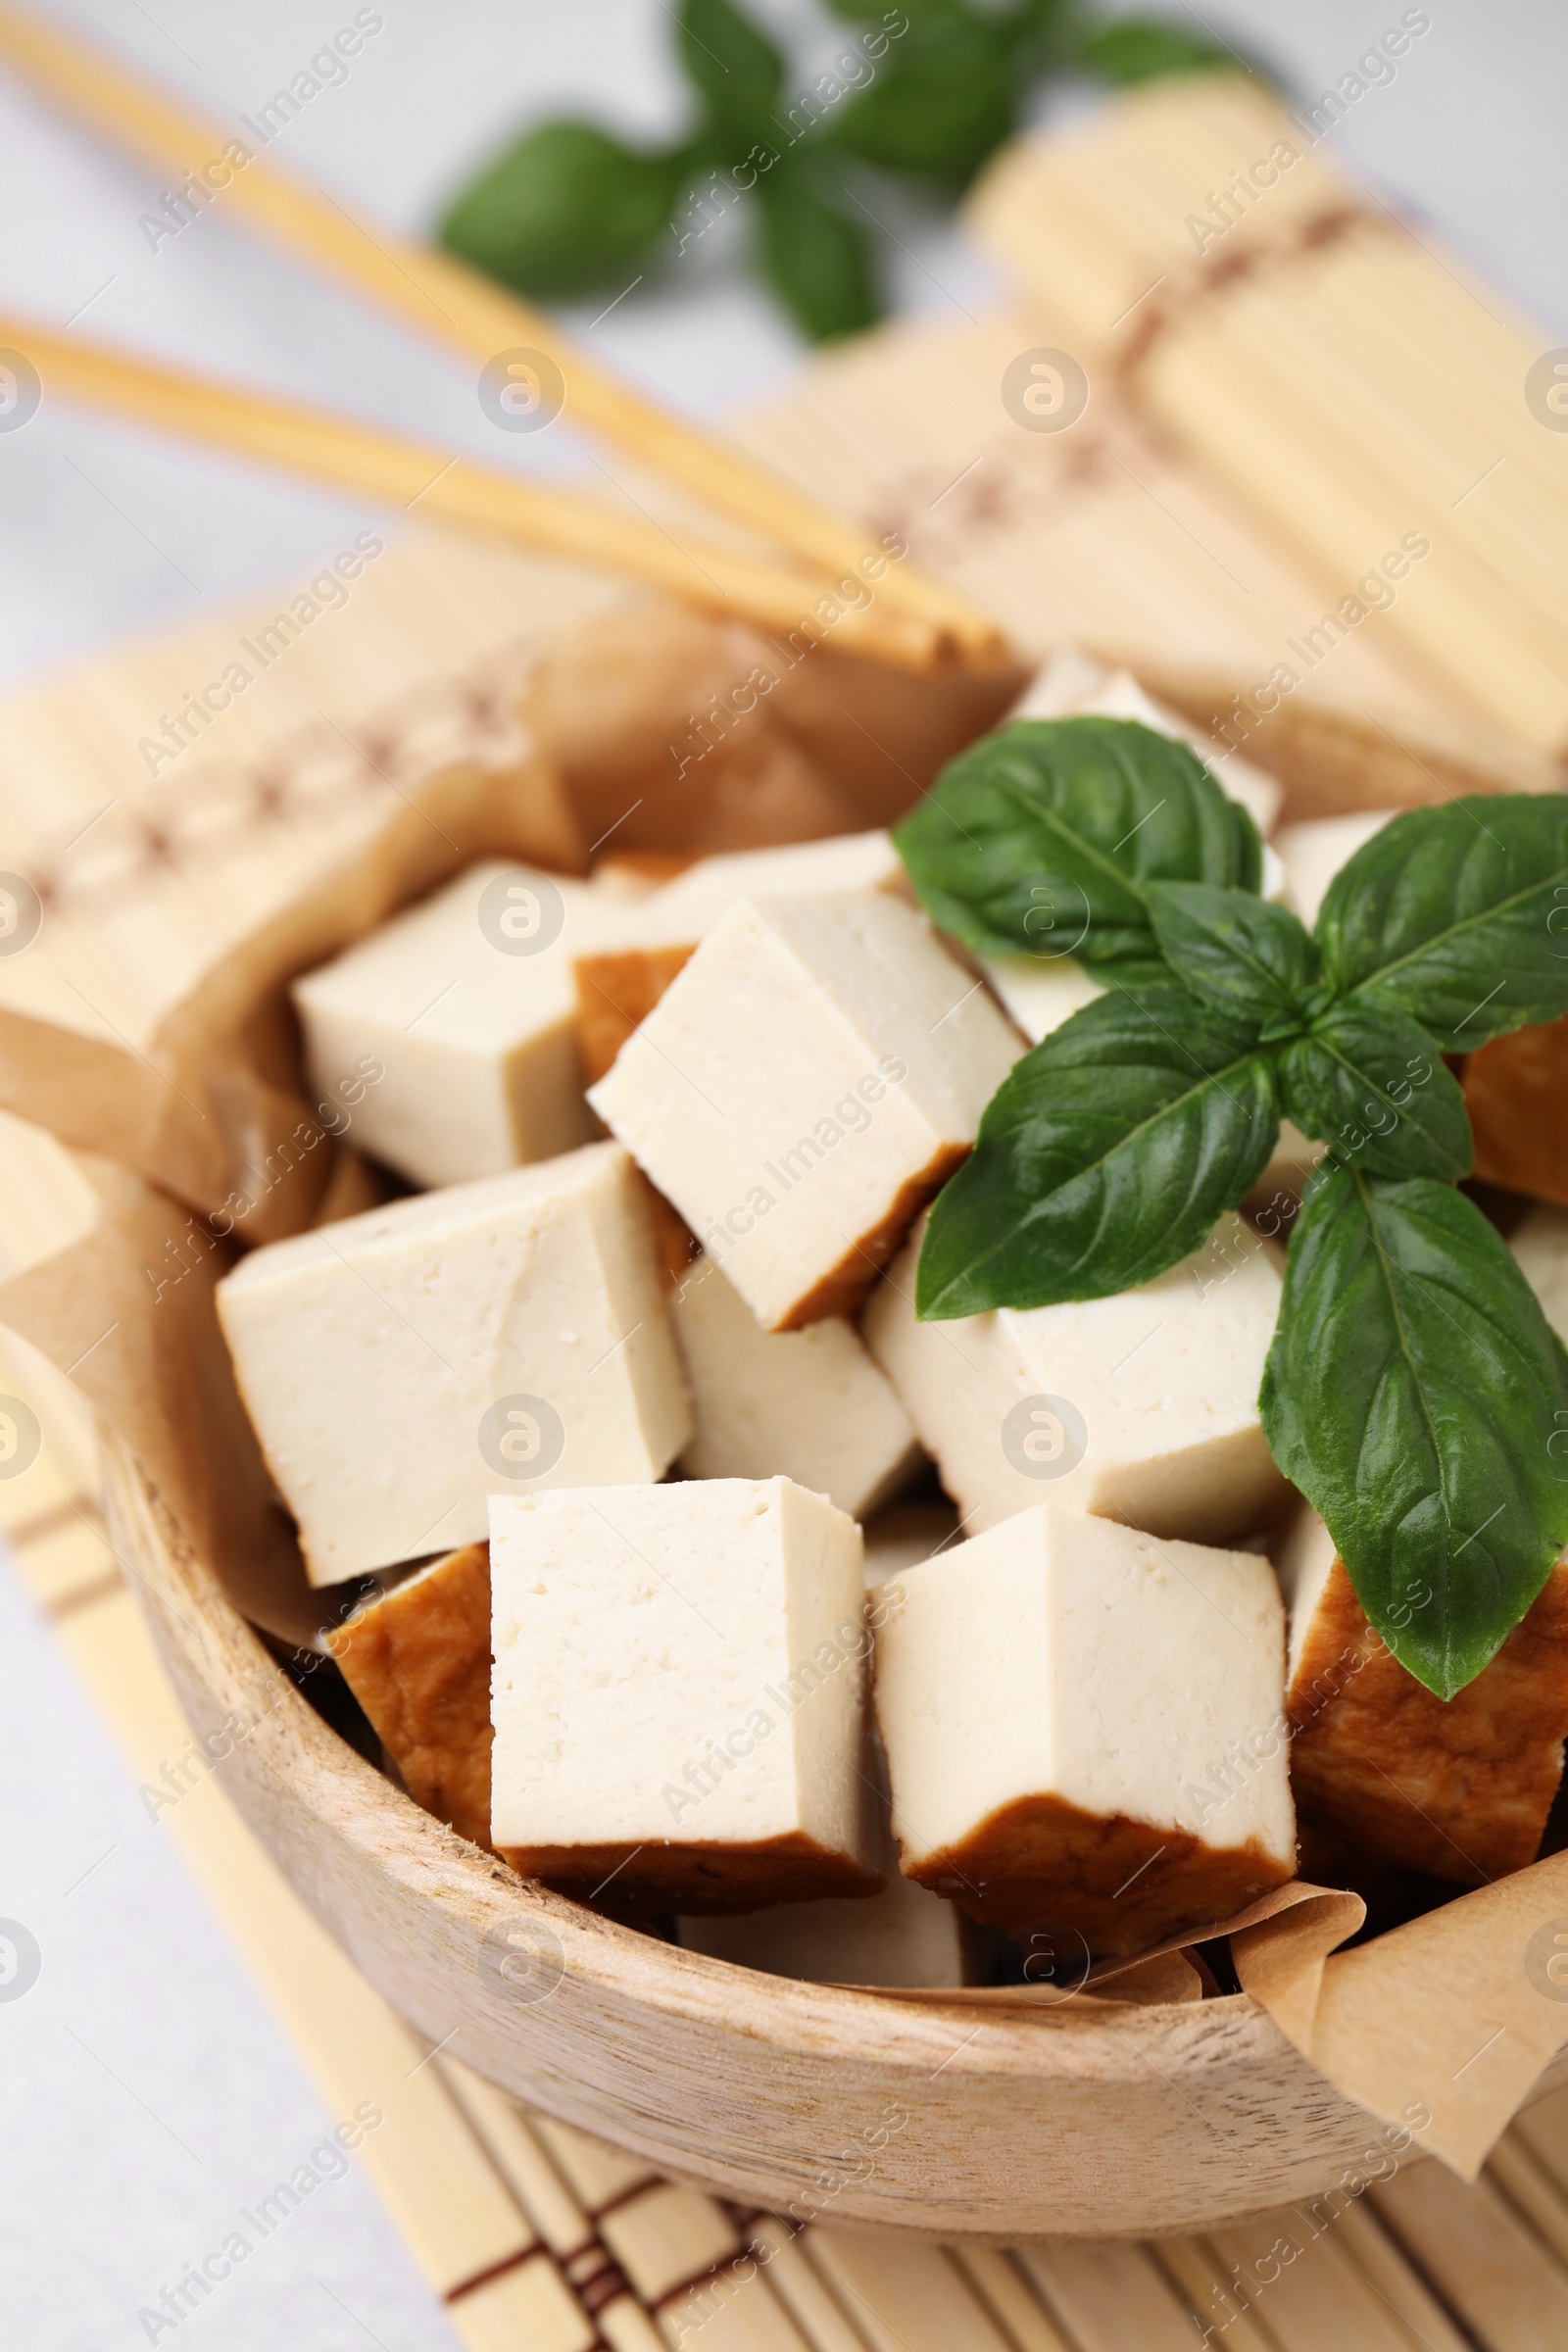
{"points": [[924, 91], [1415, 1389]]}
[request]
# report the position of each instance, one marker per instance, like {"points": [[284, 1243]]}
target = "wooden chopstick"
{"points": [[443, 298], [438, 485]]}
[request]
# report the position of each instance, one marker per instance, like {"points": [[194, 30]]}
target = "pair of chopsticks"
{"points": [[907, 620]]}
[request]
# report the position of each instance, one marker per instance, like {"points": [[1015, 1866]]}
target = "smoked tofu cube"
{"points": [[619, 987], [1459, 1789], [1516, 1091], [418, 1659], [679, 1694], [688, 907], [902, 1936], [1541, 1246], [1084, 1730], [466, 1005], [1312, 853], [1040, 992], [401, 1365], [799, 1092], [809, 1404], [1140, 1407]]}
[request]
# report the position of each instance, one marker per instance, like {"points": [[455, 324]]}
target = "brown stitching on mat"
{"points": [[493, 2271]]}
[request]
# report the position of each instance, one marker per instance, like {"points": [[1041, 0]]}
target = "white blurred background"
{"points": [[145, 2094]]}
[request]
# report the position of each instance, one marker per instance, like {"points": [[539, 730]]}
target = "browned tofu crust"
{"points": [[1516, 1091], [698, 1875], [418, 1663], [614, 994], [1459, 1789], [842, 1290], [1043, 1863]]}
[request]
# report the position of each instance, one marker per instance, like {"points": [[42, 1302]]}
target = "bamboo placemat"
{"points": [[537, 2238]]}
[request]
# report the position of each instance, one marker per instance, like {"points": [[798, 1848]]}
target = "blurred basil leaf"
{"points": [[1144, 48], [563, 210], [735, 69], [818, 259], [944, 95]]}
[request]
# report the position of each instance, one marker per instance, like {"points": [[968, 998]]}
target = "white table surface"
{"points": [[145, 2093]]}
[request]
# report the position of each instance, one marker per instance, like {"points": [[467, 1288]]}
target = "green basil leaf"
{"points": [[1411, 1391], [1105, 1156], [736, 68], [1458, 915], [1370, 1082], [913, 12], [562, 210], [944, 98], [817, 261], [1047, 833], [1142, 48], [1237, 953]]}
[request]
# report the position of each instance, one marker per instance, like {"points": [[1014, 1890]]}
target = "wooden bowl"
{"points": [[1080, 2119], [941, 2118]]}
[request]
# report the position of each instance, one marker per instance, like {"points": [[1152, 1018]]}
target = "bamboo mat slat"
{"points": [[538, 2238], [1490, 2269]]}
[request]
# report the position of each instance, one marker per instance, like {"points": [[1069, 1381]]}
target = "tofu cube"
{"points": [[809, 1405], [619, 987], [814, 1075], [1459, 1789], [1312, 853], [1516, 1091], [418, 1659], [1040, 992], [1140, 1407], [1541, 1246], [679, 1694], [1075, 685], [902, 1936], [466, 1006], [1084, 1730], [905, 1534], [689, 905], [401, 1365]]}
